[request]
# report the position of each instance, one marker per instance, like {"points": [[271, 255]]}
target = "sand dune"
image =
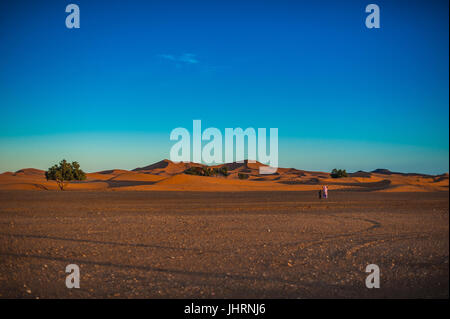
{"points": [[29, 171], [166, 168], [169, 176], [132, 176]]}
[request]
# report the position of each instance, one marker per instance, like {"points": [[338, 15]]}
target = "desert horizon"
{"points": [[242, 176], [165, 231]]}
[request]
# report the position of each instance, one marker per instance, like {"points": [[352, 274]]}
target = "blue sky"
{"points": [[341, 95]]}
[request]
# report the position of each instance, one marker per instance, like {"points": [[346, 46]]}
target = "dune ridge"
{"points": [[166, 175]]}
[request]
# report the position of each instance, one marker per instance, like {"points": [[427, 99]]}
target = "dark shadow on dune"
{"points": [[366, 187], [311, 181], [159, 165], [107, 172], [41, 187], [385, 171], [440, 178], [360, 174], [114, 183]]}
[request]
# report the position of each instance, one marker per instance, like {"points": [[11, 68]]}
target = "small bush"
{"points": [[195, 171], [207, 171], [243, 176], [223, 171], [338, 173]]}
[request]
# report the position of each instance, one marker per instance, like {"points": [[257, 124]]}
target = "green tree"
{"points": [[338, 173], [64, 173]]}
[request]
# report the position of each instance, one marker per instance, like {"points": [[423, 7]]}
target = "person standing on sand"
{"points": [[325, 191], [320, 194]]}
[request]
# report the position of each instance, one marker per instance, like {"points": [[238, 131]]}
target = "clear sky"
{"points": [[341, 95]]}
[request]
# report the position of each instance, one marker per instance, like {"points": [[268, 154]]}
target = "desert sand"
{"points": [[169, 176], [258, 244], [156, 232]]}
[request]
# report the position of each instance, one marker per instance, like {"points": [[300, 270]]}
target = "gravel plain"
{"points": [[289, 244]]}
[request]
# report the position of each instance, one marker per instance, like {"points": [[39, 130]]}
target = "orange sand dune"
{"points": [[133, 176], [167, 175], [183, 182], [166, 168], [105, 175], [99, 177], [29, 171]]}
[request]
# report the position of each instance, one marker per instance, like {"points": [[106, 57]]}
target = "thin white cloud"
{"points": [[167, 56], [187, 58]]}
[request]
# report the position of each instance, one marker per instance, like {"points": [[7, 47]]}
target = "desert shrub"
{"points": [[195, 171], [338, 173], [243, 176], [64, 173], [207, 171], [223, 171]]}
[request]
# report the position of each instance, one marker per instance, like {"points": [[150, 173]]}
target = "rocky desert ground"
{"points": [[224, 244], [156, 232]]}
